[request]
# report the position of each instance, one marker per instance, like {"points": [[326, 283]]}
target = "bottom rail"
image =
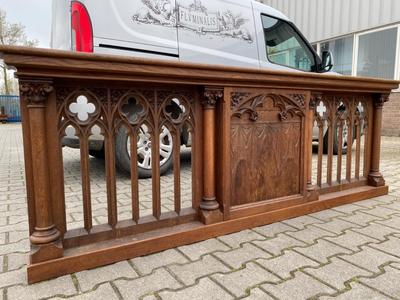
{"points": [[103, 253]]}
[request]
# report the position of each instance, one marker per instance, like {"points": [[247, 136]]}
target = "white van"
{"points": [[242, 33]]}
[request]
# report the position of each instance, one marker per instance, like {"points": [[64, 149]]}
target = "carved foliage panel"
{"points": [[266, 140]]}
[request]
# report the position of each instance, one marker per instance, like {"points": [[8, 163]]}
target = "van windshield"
{"points": [[285, 46]]}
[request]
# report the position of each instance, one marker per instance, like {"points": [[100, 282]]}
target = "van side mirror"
{"points": [[327, 62]]}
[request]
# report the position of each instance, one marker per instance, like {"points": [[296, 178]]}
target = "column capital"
{"points": [[381, 99], [314, 100], [211, 96], [35, 91]]}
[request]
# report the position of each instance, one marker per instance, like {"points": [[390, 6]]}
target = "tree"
{"points": [[12, 34]]}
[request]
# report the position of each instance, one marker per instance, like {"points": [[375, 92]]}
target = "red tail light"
{"points": [[82, 32]]}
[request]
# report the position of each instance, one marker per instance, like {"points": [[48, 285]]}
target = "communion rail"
{"points": [[266, 146]]}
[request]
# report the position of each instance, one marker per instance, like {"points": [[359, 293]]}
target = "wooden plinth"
{"points": [[88, 257]]}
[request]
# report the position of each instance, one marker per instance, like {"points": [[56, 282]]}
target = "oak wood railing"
{"points": [[266, 146]]}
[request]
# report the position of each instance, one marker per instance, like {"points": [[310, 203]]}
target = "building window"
{"points": [[377, 54], [342, 51]]}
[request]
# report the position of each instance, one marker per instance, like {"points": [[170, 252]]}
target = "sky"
{"points": [[35, 15]]}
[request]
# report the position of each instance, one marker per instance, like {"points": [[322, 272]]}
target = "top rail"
{"points": [[66, 64]]}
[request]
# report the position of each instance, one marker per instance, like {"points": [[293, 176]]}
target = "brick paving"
{"points": [[349, 252]]}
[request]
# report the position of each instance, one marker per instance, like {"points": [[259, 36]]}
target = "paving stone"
{"points": [[395, 205], [369, 203], [370, 259], [90, 278], [235, 258], [348, 208], [146, 264], [380, 211], [279, 243], [204, 290], [391, 246], [62, 286], [376, 231], [301, 222], [16, 236], [322, 250], [239, 281], [310, 234], [386, 198], [2, 238], [290, 261], [104, 291], [386, 282], [236, 239], [301, 287], [393, 222], [21, 246], [258, 294], [158, 280], [188, 273], [337, 226], [361, 218], [17, 260], [352, 240], [13, 277], [195, 251], [272, 230], [357, 292], [327, 215], [337, 272]]}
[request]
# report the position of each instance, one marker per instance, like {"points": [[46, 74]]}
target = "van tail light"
{"points": [[81, 25]]}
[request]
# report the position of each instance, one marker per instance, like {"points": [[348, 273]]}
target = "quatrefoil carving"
{"points": [[82, 108], [175, 110], [133, 110]]}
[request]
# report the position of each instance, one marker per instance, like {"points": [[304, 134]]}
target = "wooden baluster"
{"points": [[367, 137], [45, 238], [340, 149], [331, 131], [358, 145], [134, 176], [177, 170], [109, 147], [350, 128], [320, 151], [375, 178], [315, 98], [85, 176], [209, 206], [155, 160]]}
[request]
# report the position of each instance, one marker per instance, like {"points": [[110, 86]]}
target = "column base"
{"points": [[209, 204], [44, 235], [211, 217], [376, 179], [45, 252], [312, 194]]}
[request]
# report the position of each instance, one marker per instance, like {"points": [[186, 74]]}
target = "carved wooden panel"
{"points": [[266, 145]]}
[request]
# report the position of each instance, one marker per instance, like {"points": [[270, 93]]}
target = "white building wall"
{"points": [[323, 19]]}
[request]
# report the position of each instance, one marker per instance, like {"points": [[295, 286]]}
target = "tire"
{"points": [[123, 160], [336, 142]]}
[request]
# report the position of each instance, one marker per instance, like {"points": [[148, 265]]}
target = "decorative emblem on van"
{"points": [[194, 17]]}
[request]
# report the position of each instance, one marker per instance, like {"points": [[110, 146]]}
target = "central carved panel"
{"points": [[266, 144]]}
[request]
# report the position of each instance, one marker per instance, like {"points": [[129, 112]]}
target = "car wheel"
{"points": [[144, 155], [97, 153], [336, 141]]}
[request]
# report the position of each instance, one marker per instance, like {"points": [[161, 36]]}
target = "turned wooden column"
{"points": [[209, 202], [311, 191], [45, 238], [375, 177]]}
